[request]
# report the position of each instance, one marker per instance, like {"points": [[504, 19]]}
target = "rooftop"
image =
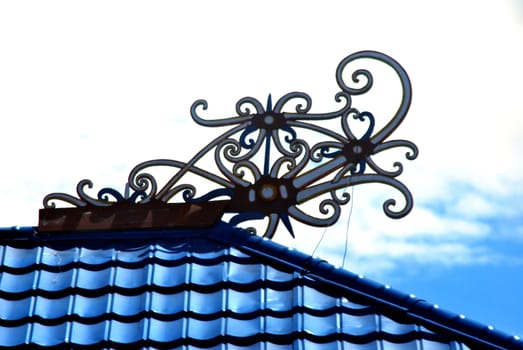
{"points": [[206, 287]]}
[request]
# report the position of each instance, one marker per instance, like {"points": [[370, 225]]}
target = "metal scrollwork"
{"points": [[268, 172]]}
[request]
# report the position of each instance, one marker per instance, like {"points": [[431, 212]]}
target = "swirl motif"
{"points": [[268, 171]]}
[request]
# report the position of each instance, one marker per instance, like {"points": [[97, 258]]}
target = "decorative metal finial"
{"points": [[267, 171]]}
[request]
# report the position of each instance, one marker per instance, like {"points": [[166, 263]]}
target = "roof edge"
{"points": [[470, 332]]}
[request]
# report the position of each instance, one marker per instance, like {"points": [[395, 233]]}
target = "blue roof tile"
{"points": [[197, 289]]}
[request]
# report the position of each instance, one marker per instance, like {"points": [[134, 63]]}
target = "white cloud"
{"points": [[438, 232], [473, 205]]}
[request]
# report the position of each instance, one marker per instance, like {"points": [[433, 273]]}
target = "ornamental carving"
{"points": [[278, 161]]}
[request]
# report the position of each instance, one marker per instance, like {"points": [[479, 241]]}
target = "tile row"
{"points": [[193, 331], [52, 254], [279, 303]]}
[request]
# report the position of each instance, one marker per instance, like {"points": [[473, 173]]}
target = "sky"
{"points": [[90, 89]]}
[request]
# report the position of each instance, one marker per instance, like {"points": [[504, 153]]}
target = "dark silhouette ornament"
{"points": [[266, 170]]}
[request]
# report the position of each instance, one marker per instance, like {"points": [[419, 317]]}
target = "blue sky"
{"points": [[89, 90]]}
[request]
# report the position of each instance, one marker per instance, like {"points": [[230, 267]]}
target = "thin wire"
{"points": [[319, 242], [346, 231], [347, 228]]}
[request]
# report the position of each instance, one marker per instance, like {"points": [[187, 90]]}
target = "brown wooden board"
{"points": [[123, 216]]}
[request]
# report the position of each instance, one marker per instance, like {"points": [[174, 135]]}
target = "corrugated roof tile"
{"points": [[279, 300], [279, 325], [48, 335], [17, 283], [88, 334], [393, 327], [166, 331], [168, 304], [17, 258], [13, 336], [207, 275], [358, 324], [90, 307]]}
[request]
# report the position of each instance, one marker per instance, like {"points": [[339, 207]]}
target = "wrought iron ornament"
{"points": [[267, 171]]}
